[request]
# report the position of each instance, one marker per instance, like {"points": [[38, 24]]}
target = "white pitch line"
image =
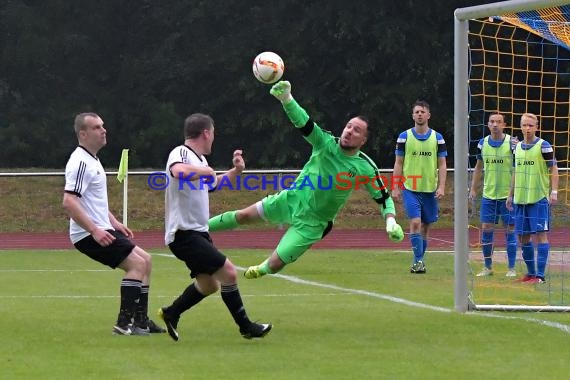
{"points": [[560, 326], [56, 270], [346, 290], [556, 325], [403, 301], [474, 250], [71, 296]]}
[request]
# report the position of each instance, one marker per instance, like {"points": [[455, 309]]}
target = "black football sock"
{"points": [[130, 297], [234, 303], [190, 297]]}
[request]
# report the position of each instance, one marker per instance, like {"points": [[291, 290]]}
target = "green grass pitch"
{"points": [[336, 314]]}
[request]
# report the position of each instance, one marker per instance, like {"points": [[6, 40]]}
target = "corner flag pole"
{"points": [[123, 176]]}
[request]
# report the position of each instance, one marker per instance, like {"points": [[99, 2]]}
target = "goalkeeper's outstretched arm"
{"points": [[282, 91], [298, 116]]}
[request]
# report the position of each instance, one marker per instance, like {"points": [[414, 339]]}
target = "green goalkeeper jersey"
{"points": [[329, 177]]}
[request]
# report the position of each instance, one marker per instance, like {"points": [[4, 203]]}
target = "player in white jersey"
{"points": [[95, 232], [187, 213]]}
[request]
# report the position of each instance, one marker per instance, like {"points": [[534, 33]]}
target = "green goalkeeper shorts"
{"points": [[304, 229]]}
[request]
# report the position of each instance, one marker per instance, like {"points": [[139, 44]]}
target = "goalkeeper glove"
{"points": [[394, 230], [282, 91]]}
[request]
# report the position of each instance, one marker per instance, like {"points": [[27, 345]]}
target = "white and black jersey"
{"points": [[187, 206], [86, 178]]}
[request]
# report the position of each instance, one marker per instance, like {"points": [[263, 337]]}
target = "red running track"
{"points": [[440, 239]]}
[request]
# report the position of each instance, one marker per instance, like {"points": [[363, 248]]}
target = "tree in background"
{"points": [[144, 65]]}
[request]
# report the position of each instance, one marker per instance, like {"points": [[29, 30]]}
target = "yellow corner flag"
{"points": [[123, 166]]}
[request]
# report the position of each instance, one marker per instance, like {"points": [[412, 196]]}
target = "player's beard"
{"points": [[347, 147]]}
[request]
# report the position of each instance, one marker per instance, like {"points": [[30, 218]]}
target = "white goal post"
{"points": [[461, 145]]}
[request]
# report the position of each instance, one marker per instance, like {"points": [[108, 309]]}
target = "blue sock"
{"points": [[417, 246], [487, 247], [425, 248], [511, 249], [542, 250], [528, 257]]}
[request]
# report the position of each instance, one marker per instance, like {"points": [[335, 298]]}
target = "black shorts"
{"points": [[111, 255], [197, 250]]}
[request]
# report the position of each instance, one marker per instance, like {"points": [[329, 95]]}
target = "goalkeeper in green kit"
{"points": [[338, 167]]}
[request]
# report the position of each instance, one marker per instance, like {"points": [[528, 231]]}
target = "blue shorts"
{"points": [[421, 205], [494, 209], [532, 218]]}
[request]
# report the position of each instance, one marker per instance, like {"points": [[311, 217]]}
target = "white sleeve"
{"points": [[77, 177], [174, 157]]}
